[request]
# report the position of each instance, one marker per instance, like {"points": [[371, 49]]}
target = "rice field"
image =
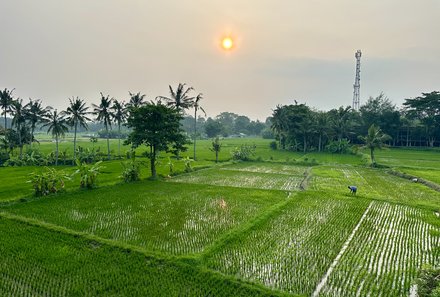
{"points": [[165, 217], [234, 229], [373, 184], [260, 176], [293, 248], [385, 253], [39, 262]]}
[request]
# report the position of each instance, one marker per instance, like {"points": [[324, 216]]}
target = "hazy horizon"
{"points": [[285, 51]]}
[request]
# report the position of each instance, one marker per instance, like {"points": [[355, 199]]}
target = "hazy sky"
{"points": [[285, 50]]}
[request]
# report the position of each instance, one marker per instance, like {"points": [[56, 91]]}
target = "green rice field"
{"points": [[279, 225]]}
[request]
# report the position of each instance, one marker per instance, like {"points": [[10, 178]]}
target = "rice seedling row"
{"points": [[373, 184], [384, 255], [254, 177], [165, 217], [293, 249], [39, 262]]}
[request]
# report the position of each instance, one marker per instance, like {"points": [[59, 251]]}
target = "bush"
{"points": [[243, 153], [188, 167], [273, 145], [48, 182], [339, 146], [428, 282], [88, 174], [131, 172]]}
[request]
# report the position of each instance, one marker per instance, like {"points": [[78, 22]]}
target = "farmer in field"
{"points": [[353, 190]]}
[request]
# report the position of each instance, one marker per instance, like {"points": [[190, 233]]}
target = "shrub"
{"points": [[131, 171], [48, 182], [188, 167], [339, 146], [428, 282], [243, 153], [88, 174], [273, 145]]}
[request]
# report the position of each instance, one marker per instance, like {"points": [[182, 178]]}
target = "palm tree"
{"points": [[280, 124], [58, 125], [19, 120], [136, 100], [321, 128], [6, 102], [179, 98], [76, 114], [103, 114], [197, 107], [35, 113], [374, 139], [119, 115]]}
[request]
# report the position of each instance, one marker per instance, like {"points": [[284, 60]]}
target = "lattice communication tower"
{"points": [[357, 81]]}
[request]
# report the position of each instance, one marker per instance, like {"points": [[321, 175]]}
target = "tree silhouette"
{"points": [[119, 115], [197, 106], [374, 139], [6, 102], [104, 115], [76, 114], [34, 114], [179, 98], [58, 125]]}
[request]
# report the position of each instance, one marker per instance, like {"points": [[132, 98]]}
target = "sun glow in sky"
{"points": [[227, 43]]}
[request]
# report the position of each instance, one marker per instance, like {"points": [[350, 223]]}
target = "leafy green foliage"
{"points": [[48, 182], [216, 147], [158, 127], [88, 173], [187, 161], [428, 282], [244, 152], [131, 171], [339, 146]]}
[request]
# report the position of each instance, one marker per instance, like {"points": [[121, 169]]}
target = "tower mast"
{"points": [[357, 81]]}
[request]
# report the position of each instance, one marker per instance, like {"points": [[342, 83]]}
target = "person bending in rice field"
{"points": [[353, 190]]}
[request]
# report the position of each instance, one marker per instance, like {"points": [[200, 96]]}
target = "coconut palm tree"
{"points": [[136, 100], [197, 106], [76, 115], [119, 115], [6, 102], [19, 120], [374, 139], [179, 98], [103, 114], [35, 113], [58, 125]]}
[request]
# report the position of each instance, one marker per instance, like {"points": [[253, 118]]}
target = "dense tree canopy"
{"points": [[158, 127]]}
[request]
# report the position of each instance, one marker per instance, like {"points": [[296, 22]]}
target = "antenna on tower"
{"points": [[357, 81]]}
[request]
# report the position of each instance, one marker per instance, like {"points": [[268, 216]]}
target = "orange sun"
{"points": [[227, 43]]}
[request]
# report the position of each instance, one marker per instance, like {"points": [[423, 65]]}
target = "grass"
{"points": [[230, 229], [386, 252], [164, 217], [39, 262], [374, 184], [292, 248], [258, 175]]}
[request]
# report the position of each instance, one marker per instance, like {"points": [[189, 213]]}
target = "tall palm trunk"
{"points": [[56, 151], [20, 144], [195, 132], [373, 161], [119, 136], [108, 143], [5, 119], [153, 161], [319, 142], [74, 142]]}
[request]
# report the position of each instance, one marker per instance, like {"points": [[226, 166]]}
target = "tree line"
{"points": [[109, 112], [299, 127]]}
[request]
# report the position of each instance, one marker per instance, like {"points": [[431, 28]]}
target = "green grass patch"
{"points": [[163, 217], [292, 249], [386, 252], [39, 262]]}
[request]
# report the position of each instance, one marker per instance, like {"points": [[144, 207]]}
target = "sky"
{"points": [[285, 50]]}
